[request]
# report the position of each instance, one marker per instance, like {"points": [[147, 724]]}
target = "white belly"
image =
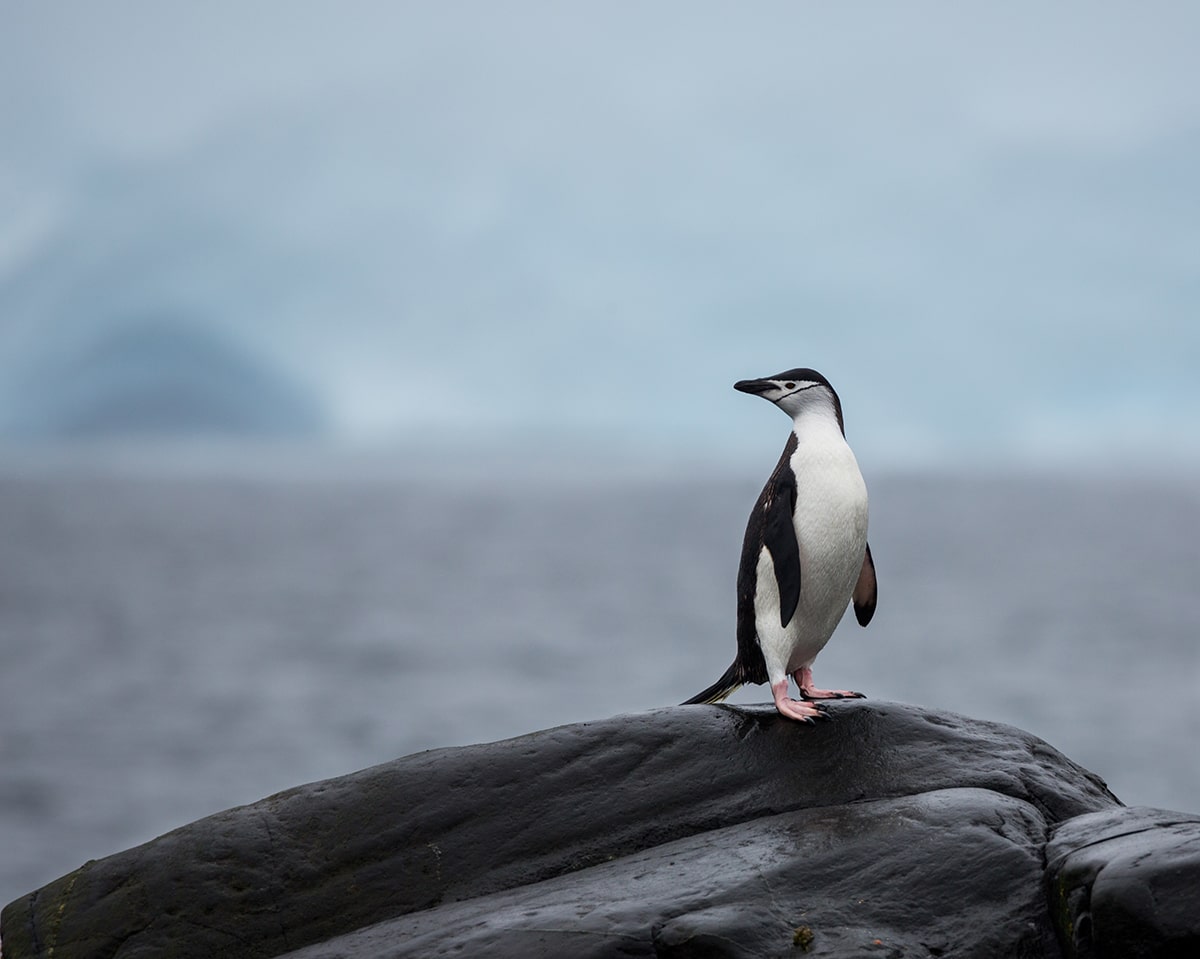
{"points": [[831, 528]]}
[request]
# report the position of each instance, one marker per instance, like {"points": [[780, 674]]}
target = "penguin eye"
{"points": [[790, 386]]}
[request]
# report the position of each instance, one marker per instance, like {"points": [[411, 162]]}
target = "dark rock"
{"points": [[1125, 884], [888, 830], [955, 872]]}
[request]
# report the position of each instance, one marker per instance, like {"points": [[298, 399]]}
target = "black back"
{"points": [[770, 525]]}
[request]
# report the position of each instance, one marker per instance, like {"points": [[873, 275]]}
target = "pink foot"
{"points": [[794, 708], [804, 679]]}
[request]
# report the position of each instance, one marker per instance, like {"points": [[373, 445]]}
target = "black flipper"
{"points": [[779, 536], [866, 591]]}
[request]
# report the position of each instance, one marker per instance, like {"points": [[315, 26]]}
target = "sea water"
{"points": [[173, 643]]}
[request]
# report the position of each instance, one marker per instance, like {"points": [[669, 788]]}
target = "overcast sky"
{"points": [[981, 222]]}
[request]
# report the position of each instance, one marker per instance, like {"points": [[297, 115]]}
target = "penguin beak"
{"points": [[757, 387]]}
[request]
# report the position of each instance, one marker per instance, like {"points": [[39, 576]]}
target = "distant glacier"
{"points": [[159, 378]]}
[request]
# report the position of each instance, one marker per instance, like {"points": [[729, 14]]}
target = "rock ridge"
{"points": [[697, 830]]}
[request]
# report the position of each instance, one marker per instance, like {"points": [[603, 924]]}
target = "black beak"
{"points": [[754, 386]]}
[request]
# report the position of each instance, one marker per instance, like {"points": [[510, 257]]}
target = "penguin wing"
{"points": [[866, 591], [779, 536], [750, 663]]}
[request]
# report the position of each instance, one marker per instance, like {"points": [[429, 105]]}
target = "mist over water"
{"points": [[176, 643]]}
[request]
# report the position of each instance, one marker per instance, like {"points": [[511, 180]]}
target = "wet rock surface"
{"points": [[684, 831], [1125, 883], [952, 872]]}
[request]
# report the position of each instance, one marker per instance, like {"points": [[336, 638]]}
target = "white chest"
{"points": [[831, 508]]}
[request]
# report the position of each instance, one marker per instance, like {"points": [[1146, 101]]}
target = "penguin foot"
{"points": [[809, 692], [804, 679], [795, 708]]}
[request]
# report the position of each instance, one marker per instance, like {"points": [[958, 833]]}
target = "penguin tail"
{"points": [[730, 681]]}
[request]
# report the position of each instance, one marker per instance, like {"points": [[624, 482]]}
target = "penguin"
{"points": [[805, 556]]}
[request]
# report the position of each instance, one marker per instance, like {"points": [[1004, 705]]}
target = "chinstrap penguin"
{"points": [[805, 557]]}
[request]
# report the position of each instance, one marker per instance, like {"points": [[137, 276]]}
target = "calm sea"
{"points": [[174, 643]]}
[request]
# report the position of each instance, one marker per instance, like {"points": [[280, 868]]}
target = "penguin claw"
{"points": [[804, 680], [794, 708], [831, 694], [792, 712]]}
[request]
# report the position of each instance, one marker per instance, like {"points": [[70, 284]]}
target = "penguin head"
{"points": [[795, 391]]}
